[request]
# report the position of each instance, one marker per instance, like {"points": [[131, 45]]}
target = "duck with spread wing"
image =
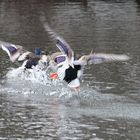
{"points": [[18, 53], [69, 68]]}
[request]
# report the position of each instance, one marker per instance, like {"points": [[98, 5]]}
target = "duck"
{"points": [[18, 53], [68, 67]]}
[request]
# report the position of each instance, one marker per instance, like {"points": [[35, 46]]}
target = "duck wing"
{"points": [[61, 44], [99, 58], [15, 52]]}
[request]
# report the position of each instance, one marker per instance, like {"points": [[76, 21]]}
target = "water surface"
{"points": [[108, 106]]}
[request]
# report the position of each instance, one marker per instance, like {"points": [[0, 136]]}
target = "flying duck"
{"points": [[17, 52], [69, 68]]}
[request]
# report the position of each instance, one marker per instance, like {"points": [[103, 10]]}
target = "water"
{"points": [[108, 106]]}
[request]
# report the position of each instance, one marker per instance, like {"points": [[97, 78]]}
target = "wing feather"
{"points": [[99, 58], [104, 58], [15, 52], [61, 44]]}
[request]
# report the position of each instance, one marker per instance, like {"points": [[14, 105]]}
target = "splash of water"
{"points": [[35, 75], [34, 81]]}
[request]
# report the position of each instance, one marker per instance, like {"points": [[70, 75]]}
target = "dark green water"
{"points": [[108, 106]]}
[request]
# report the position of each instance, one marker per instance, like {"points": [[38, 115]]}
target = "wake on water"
{"points": [[36, 82], [33, 80]]}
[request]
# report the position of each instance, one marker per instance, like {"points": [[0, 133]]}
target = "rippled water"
{"points": [[108, 106]]}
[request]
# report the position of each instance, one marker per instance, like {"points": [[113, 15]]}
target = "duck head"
{"points": [[37, 51]]}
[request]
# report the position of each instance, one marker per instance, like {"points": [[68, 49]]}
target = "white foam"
{"points": [[33, 81], [35, 75]]}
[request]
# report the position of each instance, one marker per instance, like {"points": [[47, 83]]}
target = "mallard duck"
{"points": [[18, 53], [69, 68]]}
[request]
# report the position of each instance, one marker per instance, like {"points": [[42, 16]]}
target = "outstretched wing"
{"points": [[101, 58], [62, 45], [15, 52]]}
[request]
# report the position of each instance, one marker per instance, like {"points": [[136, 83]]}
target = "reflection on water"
{"points": [[107, 106], [38, 116]]}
